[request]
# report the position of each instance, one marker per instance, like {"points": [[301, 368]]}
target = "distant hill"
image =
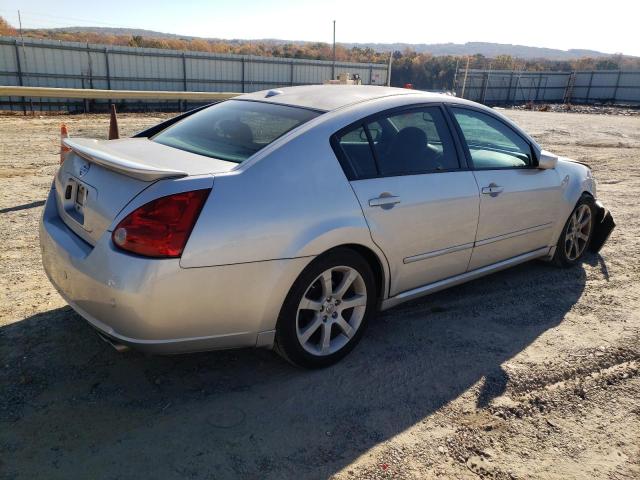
{"points": [[112, 31], [487, 49]]}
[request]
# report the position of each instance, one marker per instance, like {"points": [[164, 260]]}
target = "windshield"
{"points": [[233, 130]]}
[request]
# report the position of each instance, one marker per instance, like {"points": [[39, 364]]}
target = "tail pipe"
{"points": [[120, 347]]}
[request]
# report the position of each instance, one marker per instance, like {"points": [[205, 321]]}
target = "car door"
{"points": [[420, 205], [518, 201]]}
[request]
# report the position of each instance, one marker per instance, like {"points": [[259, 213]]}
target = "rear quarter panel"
{"points": [[294, 202]]}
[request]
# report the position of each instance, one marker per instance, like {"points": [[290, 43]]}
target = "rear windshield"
{"points": [[233, 130]]}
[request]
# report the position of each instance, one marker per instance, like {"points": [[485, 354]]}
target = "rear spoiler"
{"points": [[91, 150]]}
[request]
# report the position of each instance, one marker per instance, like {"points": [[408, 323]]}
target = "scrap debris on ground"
{"points": [[629, 111]]}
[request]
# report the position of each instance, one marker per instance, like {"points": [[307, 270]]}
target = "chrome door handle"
{"points": [[493, 190], [384, 200]]}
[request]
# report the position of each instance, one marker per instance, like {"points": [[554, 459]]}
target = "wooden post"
{"points": [[538, 87], [589, 88], [508, 99], [184, 79], [615, 91], [454, 87], [107, 70], [485, 80], [90, 66], [515, 90], [242, 78], [20, 80], [464, 82], [568, 91], [90, 75]]}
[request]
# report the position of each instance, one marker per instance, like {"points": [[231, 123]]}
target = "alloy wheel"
{"points": [[578, 232], [331, 310]]}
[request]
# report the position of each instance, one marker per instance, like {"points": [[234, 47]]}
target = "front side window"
{"points": [[415, 141], [233, 130], [492, 144]]}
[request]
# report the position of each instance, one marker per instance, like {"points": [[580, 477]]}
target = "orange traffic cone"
{"points": [[114, 134], [64, 133]]}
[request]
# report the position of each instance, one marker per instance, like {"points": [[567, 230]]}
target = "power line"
{"points": [[65, 18]]}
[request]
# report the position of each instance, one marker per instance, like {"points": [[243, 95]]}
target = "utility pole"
{"points": [[389, 69], [20, 26], [464, 82], [24, 62], [333, 69], [21, 36]]}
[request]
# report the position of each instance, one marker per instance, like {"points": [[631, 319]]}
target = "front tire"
{"points": [[327, 309], [577, 233]]}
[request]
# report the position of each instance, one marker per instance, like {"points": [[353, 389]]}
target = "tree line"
{"points": [[426, 71]]}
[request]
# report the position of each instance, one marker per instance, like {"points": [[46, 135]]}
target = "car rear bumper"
{"points": [[155, 305], [603, 227]]}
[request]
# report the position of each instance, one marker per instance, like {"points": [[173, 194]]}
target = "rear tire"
{"points": [[577, 233], [327, 309]]}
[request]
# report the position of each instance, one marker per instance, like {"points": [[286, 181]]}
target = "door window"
{"points": [[415, 141], [491, 143]]}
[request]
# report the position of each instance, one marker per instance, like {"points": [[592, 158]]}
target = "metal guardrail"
{"points": [[87, 93]]}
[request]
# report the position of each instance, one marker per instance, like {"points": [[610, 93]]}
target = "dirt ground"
{"points": [[529, 373]]}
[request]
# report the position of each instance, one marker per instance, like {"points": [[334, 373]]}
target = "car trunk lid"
{"points": [[100, 177]]}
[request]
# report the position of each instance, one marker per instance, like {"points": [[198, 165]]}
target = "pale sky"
{"points": [[609, 26]]}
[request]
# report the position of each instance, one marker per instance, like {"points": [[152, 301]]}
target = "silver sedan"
{"points": [[285, 219]]}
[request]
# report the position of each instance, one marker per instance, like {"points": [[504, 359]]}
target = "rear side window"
{"points": [[233, 130], [355, 147], [491, 143]]}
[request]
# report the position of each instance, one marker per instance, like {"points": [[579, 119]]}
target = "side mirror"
{"points": [[547, 160]]}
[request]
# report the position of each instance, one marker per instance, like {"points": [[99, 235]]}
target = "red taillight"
{"points": [[162, 227]]}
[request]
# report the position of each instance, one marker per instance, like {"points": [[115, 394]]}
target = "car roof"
{"points": [[331, 97]]}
